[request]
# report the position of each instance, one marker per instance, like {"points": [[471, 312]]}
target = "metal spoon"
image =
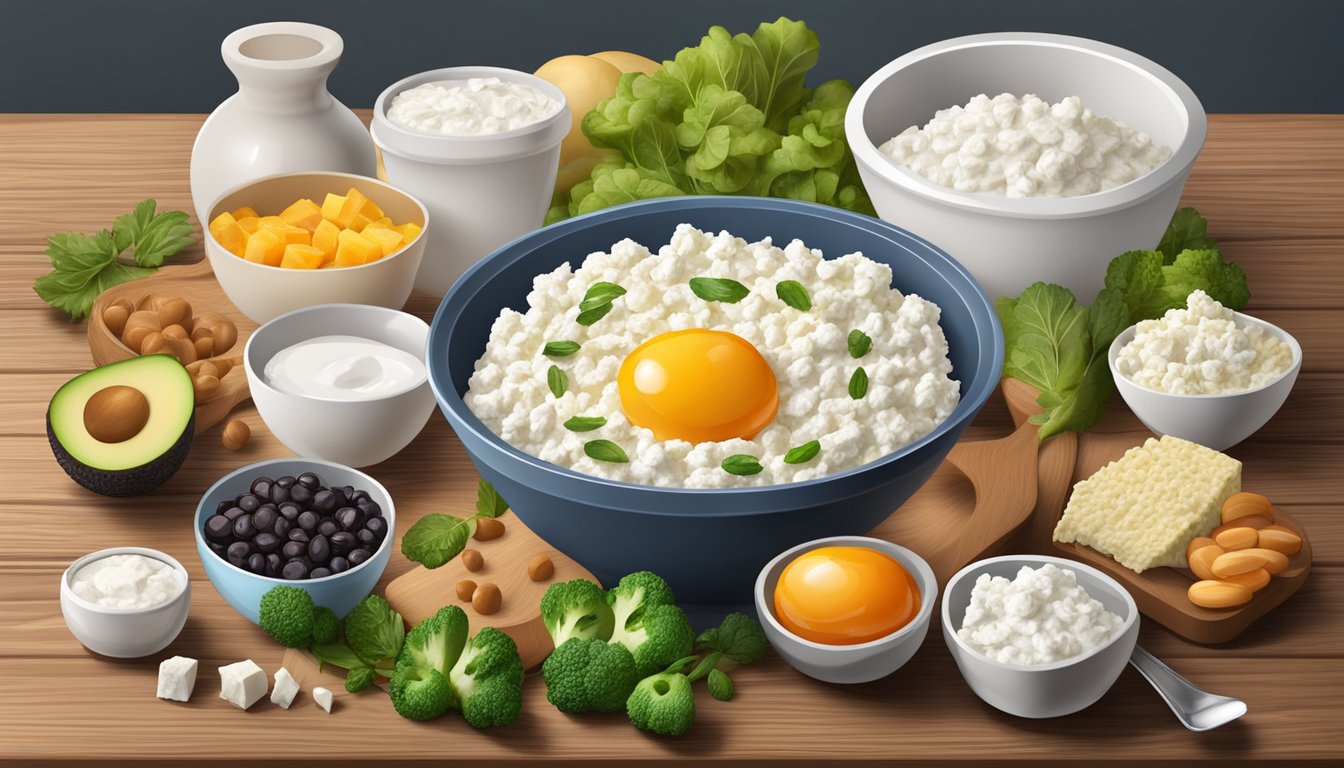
{"points": [[1196, 709]]}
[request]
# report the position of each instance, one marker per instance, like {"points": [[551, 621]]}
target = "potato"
{"points": [[585, 81], [628, 62]]}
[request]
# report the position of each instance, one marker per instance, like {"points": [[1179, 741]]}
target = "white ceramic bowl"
{"points": [[1216, 421], [125, 633], [1009, 243], [1043, 690], [862, 662], [356, 433], [263, 292]]}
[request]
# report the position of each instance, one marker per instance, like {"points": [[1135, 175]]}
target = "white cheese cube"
{"points": [[242, 684], [177, 678], [286, 688], [322, 697]]}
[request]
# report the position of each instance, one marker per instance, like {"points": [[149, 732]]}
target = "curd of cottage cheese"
{"points": [[1040, 617], [1201, 350], [475, 107], [909, 391], [1026, 147], [127, 581]]}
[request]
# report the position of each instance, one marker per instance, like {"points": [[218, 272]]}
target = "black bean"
{"points": [[273, 565], [366, 536], [350, 518], [249, 502], [298, 534], [266, 542], [261, 486], [319, 549], [217, 548], [319, 573], [327, 527], [256, 563], [338, 564], [346, 494], [324, 500], [218, 527], [279, 494], [377, 526], [285, 482], [282, 527], [238, 552], [310, 481], [358, 556], [301, 495], [342, 541], [264, 519], [233, 513], [243, 528], [223, 505], [359, 495], [308, 520], [294, 570], [369, 507], [293, 549]]}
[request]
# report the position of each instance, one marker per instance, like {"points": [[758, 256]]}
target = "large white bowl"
{"points": [[356, 433], [262, 292], [1216, 421], [1009, 243], [125, 633], [1042, 690]]}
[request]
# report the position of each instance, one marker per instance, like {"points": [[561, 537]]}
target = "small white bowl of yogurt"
{"points": [[341, 382], [125, 602]]}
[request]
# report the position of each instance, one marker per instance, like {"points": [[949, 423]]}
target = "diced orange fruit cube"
{"points": [[388, 239], [265, 247], [331, 207], [383, 222], [370, 209], [303, 213], [353, 249], [249, 224], [246, 212], [301, 257], [226, 231], [324, 239], [409, 231]]}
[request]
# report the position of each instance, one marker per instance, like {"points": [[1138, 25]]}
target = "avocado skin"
{"points": [[135, 481]]}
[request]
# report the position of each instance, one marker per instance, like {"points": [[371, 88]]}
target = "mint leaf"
{"points": [[803, 453], [605, 450], [556, 380], [859, 343], [437, 538], [488, 501], [794, 294], [560, 348], [742, 464], [858, 384], [585, 423], [719, 289]]}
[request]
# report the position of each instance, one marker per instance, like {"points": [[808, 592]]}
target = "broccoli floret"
{"points": [[375, 632], [663, 703], [589, 675], [325, 625], [488, 678], [420, 693], [287, 614], [576, 609], [649, 623]]}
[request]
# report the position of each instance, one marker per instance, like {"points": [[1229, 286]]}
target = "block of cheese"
{"points": [[286, 688], [1145, 507], [242, 684], [177, 678], [322, 698]]}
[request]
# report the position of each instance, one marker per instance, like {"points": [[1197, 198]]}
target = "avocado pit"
{"points": [[115, 414]]}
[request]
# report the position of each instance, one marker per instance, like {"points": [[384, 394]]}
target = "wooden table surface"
{"points": [[1272, 188]]}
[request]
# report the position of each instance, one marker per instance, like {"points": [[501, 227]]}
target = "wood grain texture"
{"points": [[1273, 189]]}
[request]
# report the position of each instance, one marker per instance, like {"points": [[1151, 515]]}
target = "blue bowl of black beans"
{"points": [[308, 523]]}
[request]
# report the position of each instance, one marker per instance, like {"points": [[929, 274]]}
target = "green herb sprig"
{"points": [[794, 294], [437, 537], [719, 289], [597, 302]]}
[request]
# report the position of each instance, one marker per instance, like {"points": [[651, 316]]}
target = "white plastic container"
{"points": [[481, 191], [282, 118]]}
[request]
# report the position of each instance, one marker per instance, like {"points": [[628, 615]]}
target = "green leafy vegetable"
{"points": [[719, 289], [556, 380], [84, 266], [437, 538], [730, 116], [488, 501], [859, 343], [605, 450], [858, 384], [560, 348], [742, 464], [803, 453], [590, 316], [720, 685], [1187, 231], [585, 423], [597, 302], [794, 294]]}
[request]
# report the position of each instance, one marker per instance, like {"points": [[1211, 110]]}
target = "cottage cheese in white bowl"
{"points": [[125, 602]]}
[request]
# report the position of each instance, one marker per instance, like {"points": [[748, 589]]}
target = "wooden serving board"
{"points": [[1160, 593], [196, 283]]}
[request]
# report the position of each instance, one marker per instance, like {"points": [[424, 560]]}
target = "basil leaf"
{"points": [[858, 384], [600, 293], [337, 654], [793, 293], [585, 423], [741, 464], [560, 348], [557, 381], [605, 450], [859, 343], [488, 501], [590, 316], [720, 685], [803, 453], [719, 289], [437, 538]]}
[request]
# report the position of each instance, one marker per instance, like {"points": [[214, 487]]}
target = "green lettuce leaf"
{"points": [[1187, 231], [1205, 270]]}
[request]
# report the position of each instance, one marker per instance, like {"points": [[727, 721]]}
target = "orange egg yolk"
{"points": [[845, 595], [698, 385]]}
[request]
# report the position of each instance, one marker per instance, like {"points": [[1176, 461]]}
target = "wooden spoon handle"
{"points": [[1003, 473]]}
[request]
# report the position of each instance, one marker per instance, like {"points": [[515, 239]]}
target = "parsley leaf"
{"points": [[153, 238]]}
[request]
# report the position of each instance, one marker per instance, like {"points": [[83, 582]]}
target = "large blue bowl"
{"points": [[708, 544]]}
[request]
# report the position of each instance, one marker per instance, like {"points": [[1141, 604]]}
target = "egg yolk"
{"points": [[698, 385], [845, 595]]}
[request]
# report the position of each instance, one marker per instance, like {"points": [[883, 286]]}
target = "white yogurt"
{"points": [[344, 368], [127, 581], [479, 106]]}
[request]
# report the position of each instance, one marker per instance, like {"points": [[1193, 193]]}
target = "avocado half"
{"points": [[146, 459]]}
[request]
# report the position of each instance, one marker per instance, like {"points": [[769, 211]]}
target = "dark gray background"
{"points": [[163, 55]]}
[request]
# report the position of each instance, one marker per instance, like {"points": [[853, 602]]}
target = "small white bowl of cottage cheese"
{"points": [[1038, 636], [1027, 156], [1205, 373], [125, 602]]}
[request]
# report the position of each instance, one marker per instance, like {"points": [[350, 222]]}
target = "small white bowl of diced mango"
{"points": [[294, 240]]}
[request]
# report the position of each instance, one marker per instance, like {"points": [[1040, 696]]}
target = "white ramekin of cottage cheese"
{"points": [[479, 146], [1228, 407], [1010, 242], [1046, 688], [125, 602]]}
